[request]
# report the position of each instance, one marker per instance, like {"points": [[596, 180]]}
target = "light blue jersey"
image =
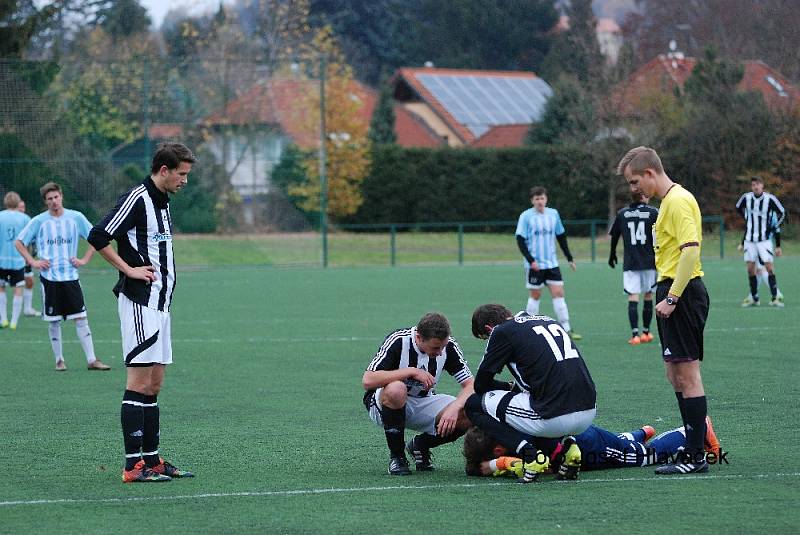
{"points": [[11, 224], [540, 231], [57, 241]]}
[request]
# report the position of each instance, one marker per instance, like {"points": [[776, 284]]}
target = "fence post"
{"points": [[722, 238], [460, 245], [393, 244], [593, 233]]}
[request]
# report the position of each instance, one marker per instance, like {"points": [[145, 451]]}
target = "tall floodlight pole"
{"points": [[323, 178]]}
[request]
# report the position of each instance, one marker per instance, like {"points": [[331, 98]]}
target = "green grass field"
{"points": [[264, 404]]}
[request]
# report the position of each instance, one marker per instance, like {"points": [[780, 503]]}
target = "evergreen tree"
{"points": [[381, 127]]}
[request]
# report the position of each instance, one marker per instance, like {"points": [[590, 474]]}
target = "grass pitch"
{"points": [[264, 404]]}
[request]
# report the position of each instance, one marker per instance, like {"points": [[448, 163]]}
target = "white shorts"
{"points": [[420, 412], [146, 337], [521, 417], [639, 282], [759, 252]]}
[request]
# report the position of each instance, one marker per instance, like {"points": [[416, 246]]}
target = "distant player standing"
{"points": [[635, 224], [142, 227], [27, 291], [12, 265], [538, 228], [682, 300], [763, 214], [400, 384], [56, 233]]}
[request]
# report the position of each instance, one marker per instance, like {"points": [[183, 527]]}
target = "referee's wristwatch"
{"points": [[671, 301]]}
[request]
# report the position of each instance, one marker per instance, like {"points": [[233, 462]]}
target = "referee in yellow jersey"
{"points": [[681, 297]]}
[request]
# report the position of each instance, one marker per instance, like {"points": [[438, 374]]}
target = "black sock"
{"points": [[151, 432], [647, 315], [679, 396], [132, 417], [695, 423], [633, 316], [394, 426], [773, 285], [429, 441], [754, 287]]}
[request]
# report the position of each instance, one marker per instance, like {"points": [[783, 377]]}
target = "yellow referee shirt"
{"points": [[678, 223]]}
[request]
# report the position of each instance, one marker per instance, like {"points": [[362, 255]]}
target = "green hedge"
{"points": [[443, 185]]}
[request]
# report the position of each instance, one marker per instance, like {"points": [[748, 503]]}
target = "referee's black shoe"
{"points": [[398, 466], [685, 464]]}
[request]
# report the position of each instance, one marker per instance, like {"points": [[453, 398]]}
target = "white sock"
{"points": [[27, 299], [16, 309], [3, 304], [85, 338], [55, 339], [560, 306], [532, 307], [764, 278]]}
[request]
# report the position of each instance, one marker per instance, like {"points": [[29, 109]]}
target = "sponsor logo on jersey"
{"points": [[161, 236], [59, 240]]}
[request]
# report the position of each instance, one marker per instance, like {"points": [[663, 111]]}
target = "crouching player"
{"points": [[400, 384]]}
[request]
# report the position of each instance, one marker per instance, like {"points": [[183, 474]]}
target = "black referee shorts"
{"points": [[681, 333]]}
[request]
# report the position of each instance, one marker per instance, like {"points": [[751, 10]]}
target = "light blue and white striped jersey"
{"points": [[57, 241], [11, 223], [539, 231]]}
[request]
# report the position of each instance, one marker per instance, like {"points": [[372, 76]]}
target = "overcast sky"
{"points": [[158, 8]]}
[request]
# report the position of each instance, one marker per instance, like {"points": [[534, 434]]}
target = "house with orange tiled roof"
{"points": [[462, 107], [667, 73], [250, 133]]}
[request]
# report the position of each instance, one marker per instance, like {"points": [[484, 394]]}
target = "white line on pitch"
{"points": [[305, 492]]}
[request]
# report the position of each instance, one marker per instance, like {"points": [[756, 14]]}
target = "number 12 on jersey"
{"points": [[549, 333]]}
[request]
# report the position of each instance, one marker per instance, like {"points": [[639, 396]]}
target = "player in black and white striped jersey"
{"points": [[400, 384], [142, 227], [763, 214]]}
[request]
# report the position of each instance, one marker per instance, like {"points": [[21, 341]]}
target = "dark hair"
{"points": [[538, 190], [478, 447], [490, 314], [47, 188], [171, 155], [756, 178], [433, 325]]}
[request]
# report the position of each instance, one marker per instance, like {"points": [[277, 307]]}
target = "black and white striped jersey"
{"points": [[142, 227], [400, 350], [758, 215]]}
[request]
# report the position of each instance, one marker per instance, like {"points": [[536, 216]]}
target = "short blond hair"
{"points": [[638, 160], [11, 200]]}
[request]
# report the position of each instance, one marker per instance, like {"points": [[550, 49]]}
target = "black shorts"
{"points": [[537, 279], [62, 300], [12, 277], [28, 270], [681, 333]]}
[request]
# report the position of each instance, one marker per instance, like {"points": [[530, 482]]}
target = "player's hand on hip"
{"points": [[76, 262], [572, 265], [41, 264], [664, 310], [144, 273], [534, 266]]}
